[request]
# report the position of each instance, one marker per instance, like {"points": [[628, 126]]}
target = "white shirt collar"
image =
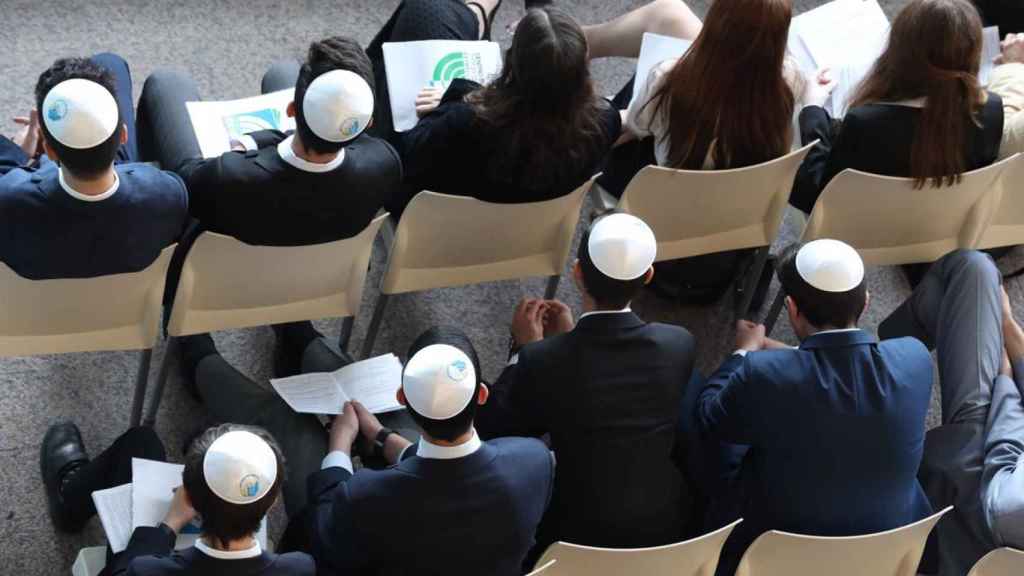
{"points": [[836, 331], [86, 197], [596, 312], [433, 451], [250, 552], [284, 149]]}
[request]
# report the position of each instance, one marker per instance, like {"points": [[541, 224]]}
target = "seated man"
{"points": [[956, 309], [232, 477], [608, 391], [835, 428], [66, 209], [323, 183], [473, 506]]}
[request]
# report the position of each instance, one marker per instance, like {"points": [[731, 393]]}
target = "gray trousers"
{"points": [[1002, 486], [957, 311]]}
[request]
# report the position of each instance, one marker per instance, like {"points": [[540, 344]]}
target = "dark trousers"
{"points": [[129, 151], [111, 468]]}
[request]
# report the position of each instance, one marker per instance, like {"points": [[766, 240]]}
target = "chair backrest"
{"points": [[90, 561], [695, 212], [1007, 227], [445, 240], [1000, 562], [697, 557], [542, 569], [890, 222], [116, 312], [226, 283], [892, 553]]}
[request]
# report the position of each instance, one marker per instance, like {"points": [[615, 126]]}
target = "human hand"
{"points": [[818, 88], [344, 430], [181, 512], [1012, 49], [428, 100], [528, 321], [749, 336], [557, 318], [28, 138], [369, 425], [772, 344]]}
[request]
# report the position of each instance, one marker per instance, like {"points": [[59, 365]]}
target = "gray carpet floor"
{"points": [[226, 45]]}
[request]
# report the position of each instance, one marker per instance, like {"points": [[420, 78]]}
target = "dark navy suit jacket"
{"points": [[466, 516], [835, 428]]}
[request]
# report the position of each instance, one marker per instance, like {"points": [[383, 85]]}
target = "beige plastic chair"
{"points": [[891, 553], [227, 284], [90, 561], [116, 312], [542, 569], [1000, 562], [697, 557], [443, 241], [1007, 227], [696, 212]]}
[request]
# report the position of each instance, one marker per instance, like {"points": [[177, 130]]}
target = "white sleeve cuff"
{"points": [[248, 142], [401, 455], [741, 352], [513, 360], [337, 459]]}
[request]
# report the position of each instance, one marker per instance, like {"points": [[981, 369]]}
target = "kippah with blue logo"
{"points": [[338, 105], [240, 467], [439, 381], [80, 113]]}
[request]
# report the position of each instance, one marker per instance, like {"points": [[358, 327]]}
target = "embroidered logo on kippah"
{"points": [[350, 127], [249, 486], [58, 110], [457, 370]]}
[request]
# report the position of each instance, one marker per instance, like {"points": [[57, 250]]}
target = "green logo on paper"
{"points": [[450, 67]]}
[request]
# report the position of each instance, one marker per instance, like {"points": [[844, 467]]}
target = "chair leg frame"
{"points": [[161, 381], [773, 314], [552, 288], [346, 332], [141, 382], [749, 286], [371, 332]]}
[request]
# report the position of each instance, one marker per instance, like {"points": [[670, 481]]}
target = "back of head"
{"points": [[729, 93], [541, 111], [232, 480], [89, 161], [934, 52], [448, 428], [615, 255], [334, 53], [825, 279]]}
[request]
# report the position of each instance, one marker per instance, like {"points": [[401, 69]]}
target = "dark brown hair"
{"points": [[729, 92], [934, 51], [334, 53], [542, 111]]}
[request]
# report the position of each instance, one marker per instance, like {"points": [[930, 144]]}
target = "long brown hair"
{"points": [[729, 90], [542, 113], [934, 51]]}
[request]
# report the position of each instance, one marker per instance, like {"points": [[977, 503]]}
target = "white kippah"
{"points": [[622, 246], [240, 467], [338, 105], [439, 381], [830, 265], [80, 113]]}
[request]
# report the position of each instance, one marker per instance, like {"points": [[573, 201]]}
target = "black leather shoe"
{"points": [[61, 455]]}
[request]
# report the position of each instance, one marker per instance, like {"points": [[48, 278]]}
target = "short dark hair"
{"points": [[334, 53], [451, 428], [87, 162], [822, 309], [606, 291], [222, 519]]}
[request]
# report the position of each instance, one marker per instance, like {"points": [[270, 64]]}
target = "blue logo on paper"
{"points": [[249, 486], [58, 110], [350, 127], [457, 370]]}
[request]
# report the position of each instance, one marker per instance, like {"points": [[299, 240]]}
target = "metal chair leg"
{"points": [[141, 382], [346, 332], [371, 331], [161, 381], [552, 288], [750, 283], [774, 312]]}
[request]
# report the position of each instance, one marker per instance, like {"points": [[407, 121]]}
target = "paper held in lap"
{"points": [[412, 66], [216, 124], [144, 502], [373, 383]]}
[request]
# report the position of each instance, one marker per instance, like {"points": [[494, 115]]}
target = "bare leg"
{"points": [[622, 36]]}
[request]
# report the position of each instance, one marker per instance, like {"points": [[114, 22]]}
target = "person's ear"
{"points": [[577, 274], [483, 394], [369, 124], [400, 396], [290, 110], [124, 133], [649, 276], [792, 310], [50, 152], [867, 301]]}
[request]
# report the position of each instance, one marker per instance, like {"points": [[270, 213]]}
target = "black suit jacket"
{"points": [[260, 199], [150, 552], [609, 393], [877, 138]]}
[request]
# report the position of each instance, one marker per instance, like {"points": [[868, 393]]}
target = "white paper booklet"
{"points": [[654, 50], [114, 507], [372, 382], [216, 124], [846, 36], [990, 48], [412, 66]]}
